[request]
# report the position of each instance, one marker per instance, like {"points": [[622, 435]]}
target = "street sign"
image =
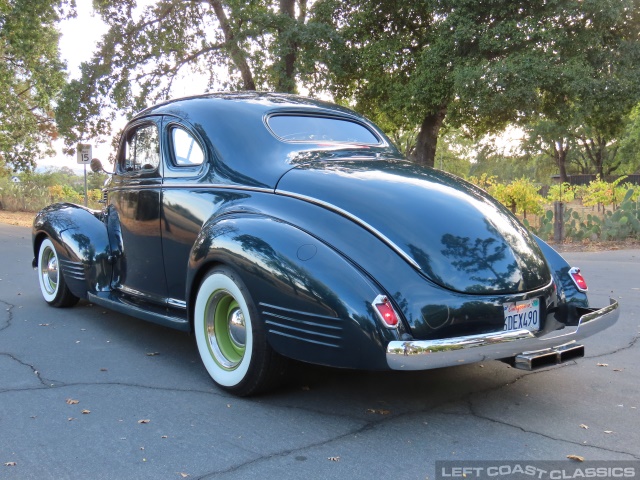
{"points": [[83, 152]]}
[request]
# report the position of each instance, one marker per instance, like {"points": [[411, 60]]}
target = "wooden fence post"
{"points": [[558, 222]]}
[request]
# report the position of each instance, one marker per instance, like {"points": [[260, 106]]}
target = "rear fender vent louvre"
{"points": [[304, 326]]}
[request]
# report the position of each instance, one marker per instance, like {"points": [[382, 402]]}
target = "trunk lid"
{"points": [[456, 234]]}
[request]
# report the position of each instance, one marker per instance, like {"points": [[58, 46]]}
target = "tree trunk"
{"points": [[425, 152], [285, 65], [237, 55], [560, 151]]}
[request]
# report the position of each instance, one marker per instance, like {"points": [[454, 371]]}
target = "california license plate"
{"points": [[525, 314]]}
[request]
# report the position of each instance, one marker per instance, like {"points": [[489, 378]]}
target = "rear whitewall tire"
{"points": [[231, 339], [215, 290]]}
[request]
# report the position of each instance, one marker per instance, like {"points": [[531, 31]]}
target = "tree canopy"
{"points": [[567, 70], [484, 64], [31, 76], [238, 45]]}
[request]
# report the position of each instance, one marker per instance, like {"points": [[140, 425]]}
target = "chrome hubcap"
{"points": [[49, 271], [237, 329]]}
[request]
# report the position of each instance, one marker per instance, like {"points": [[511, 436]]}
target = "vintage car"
{"points": [[278, 227]]}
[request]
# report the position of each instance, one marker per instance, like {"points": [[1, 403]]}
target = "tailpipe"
{"points": [[548, 357]]}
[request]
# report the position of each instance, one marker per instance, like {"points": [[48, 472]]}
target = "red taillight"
{"points": [[578, 279], [386, 311]]}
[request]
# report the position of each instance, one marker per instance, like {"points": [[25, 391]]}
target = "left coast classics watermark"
{"points": [[536, 469]]}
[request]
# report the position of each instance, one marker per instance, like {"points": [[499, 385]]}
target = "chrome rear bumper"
{"points": [[427, 354]]}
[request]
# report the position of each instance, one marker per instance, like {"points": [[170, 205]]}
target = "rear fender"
{"points": [[567, 289], [80, 238], [314, 304]]}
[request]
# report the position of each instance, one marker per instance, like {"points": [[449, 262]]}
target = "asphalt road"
{"points": [[325, 424]]}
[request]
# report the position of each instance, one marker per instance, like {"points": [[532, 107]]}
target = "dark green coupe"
{"points": [[277, 227]]}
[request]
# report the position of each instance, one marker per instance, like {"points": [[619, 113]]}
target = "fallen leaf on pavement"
{"points": [[146, 420], [86, 412], [577, 458], [10, 464], [71, 401], [184, 475], [334, 459], [608, 431], [582, 425], [602, 364]]}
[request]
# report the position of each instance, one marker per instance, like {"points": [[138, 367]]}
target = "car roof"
{"points": [[233, 128]]}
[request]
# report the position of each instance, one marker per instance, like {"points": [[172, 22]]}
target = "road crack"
{"points": [[45, 382], [474, 413], [9, 317]]}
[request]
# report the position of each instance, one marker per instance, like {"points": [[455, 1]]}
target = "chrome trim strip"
{"points": [[354, 219], [427, 354], [190, 186], [172, 302]]}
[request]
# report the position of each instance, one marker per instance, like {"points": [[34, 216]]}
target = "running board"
{"points": [[548, 357]]}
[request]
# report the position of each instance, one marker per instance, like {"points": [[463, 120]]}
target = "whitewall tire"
{"points": [[52, 284], [231, 341]]}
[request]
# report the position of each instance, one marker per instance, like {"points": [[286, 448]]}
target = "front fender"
{"points": [[81, 240], [314, 304]]}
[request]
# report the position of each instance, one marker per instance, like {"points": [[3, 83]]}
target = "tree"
{"points": [[630, 143], [239, 45], [552, 139], [31, 76], [477, 63]]}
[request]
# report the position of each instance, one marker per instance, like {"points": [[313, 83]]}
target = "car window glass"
{"points": [[307, 128], [186, 150], [142, 150]]}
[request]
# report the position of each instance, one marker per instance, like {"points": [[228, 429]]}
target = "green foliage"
{"points": [[37, 190], [521, 196], [240, 45], [31, 76], [484, 181], [562, 192], [484, 65], [629, 153], [455, 150], [599, 192], [545, 228], [618, 224]]}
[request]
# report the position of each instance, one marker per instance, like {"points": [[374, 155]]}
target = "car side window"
{"points": [[186, 150], [142, 149]]}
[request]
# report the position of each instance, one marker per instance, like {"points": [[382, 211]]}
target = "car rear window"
{"points": [[308, 128]]}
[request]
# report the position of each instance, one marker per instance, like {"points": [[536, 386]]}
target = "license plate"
{"points": [[525, 314]]}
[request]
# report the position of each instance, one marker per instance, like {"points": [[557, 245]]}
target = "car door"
{"points": [[185, 206], [136, 198]]}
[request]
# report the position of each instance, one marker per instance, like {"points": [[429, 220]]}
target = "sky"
{"points": [[79, 38]]}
